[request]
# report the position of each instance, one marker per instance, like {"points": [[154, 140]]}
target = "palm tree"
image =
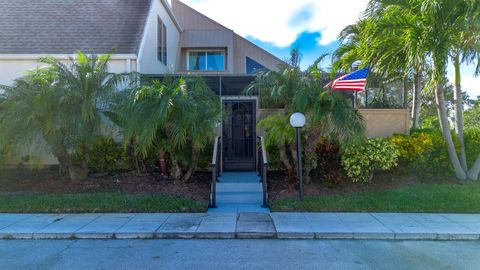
{"points": [[169, 116], [329, 115], [63, 106], [442, 26]]}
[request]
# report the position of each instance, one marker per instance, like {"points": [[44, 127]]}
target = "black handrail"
{"points": [[215, 172], [263, 168]]}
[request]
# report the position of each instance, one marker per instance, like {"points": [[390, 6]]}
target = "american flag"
{"points": [[354, 81]]}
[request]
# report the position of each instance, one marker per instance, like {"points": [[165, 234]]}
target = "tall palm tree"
{"points": [[62, 105], [441, 24]]}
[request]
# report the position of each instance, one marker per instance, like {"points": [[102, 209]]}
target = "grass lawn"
{"points": [[458, 198], [95, 202]]}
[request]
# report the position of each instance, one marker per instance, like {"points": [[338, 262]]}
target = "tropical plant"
{"points": [[361, 160], [174, 118], [472, 116], [432, 32], [329, 115], [61, 108]]}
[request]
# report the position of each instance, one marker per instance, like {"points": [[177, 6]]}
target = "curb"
{"points": [[246, 235]]}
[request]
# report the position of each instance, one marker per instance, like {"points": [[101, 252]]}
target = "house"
{"points": [[154, 37]]}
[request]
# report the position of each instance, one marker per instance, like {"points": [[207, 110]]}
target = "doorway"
{"points": [[239, 135]]}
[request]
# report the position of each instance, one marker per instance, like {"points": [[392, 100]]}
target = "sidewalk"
{"points": [[390, 226]]}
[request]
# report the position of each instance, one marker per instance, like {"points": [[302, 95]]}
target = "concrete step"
{"points": [[239, 198], [239, 177], [239, 187], [239, 208]]}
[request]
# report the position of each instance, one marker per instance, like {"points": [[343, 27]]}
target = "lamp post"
{"points": [[297, 120]]}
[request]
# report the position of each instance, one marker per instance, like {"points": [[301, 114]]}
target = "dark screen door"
{"points": [[239, 135]]}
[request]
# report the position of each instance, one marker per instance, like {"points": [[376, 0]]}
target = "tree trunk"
{"points": [[162, 164], [78, 172], [193, 164], [293, 152], [458, 105], [282, 152], [417, 90], [405, 91], [442, 116], [137, 161], [310, 147], [176, 171], [474, 170]]}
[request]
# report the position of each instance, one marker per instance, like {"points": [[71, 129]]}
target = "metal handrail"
{"points": [[263, 168], [215, 165]]}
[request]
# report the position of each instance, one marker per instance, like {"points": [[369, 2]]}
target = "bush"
{"points": [[106, 155], [423, 153], [472, 144], [328, 163], [360, 160]]}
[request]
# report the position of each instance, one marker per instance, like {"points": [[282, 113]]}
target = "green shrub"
{"points": [[360, 160], [423, 153], [328, 163], [106, 155], [472, 144]]}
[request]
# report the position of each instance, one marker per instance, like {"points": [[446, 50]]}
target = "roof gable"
{"points": [[65, 26]]}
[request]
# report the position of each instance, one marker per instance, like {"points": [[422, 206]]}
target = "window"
{"points": [[206, 60], [161, 42], [253, 66]]}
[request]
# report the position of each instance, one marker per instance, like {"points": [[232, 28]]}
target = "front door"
{"points": [[239, 135]]}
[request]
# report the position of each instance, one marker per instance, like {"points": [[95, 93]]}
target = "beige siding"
{"points": [[207, 38], [192, 19], [386, 122], [202, 32]]}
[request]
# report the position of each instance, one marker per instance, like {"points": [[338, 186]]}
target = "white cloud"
{"points": [[271, 20], [469, 83]]}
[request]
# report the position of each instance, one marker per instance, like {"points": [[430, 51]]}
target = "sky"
{"points": [[313, 25]]}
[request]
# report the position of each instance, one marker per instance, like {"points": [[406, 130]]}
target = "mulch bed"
{"points": [[46, 181], [280, 187]]}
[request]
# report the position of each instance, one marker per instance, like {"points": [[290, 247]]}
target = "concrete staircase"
{"points": [[239, 192]]}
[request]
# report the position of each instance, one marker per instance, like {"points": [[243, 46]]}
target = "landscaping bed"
{"points": [[386, 193], [45, 191]]}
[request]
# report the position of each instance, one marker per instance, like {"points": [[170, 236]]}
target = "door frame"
{"points": [[256, 106]]}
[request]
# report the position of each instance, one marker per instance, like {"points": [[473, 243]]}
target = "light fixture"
{"points": [[297, 120]]}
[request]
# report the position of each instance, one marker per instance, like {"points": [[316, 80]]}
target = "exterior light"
{"points": [[297, 120]]}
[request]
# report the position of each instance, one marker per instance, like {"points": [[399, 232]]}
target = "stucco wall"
{"points": [[386, 122], [11, 69], [148, 62]]}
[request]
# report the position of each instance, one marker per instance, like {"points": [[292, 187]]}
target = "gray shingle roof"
{"points": [[65, 26]]}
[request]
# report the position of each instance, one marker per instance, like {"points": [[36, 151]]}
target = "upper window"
{"points": [[206, 60], [161, 42], [253, 66]]}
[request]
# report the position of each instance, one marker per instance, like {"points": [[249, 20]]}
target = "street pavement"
{"points": [[238, 254], [379, 226]]}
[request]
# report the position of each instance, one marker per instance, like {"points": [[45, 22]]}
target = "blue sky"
{"points": [[308, 44], [278, 25]]}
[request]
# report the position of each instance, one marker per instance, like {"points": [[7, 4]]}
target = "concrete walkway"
{"points": [[386, 226]]}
